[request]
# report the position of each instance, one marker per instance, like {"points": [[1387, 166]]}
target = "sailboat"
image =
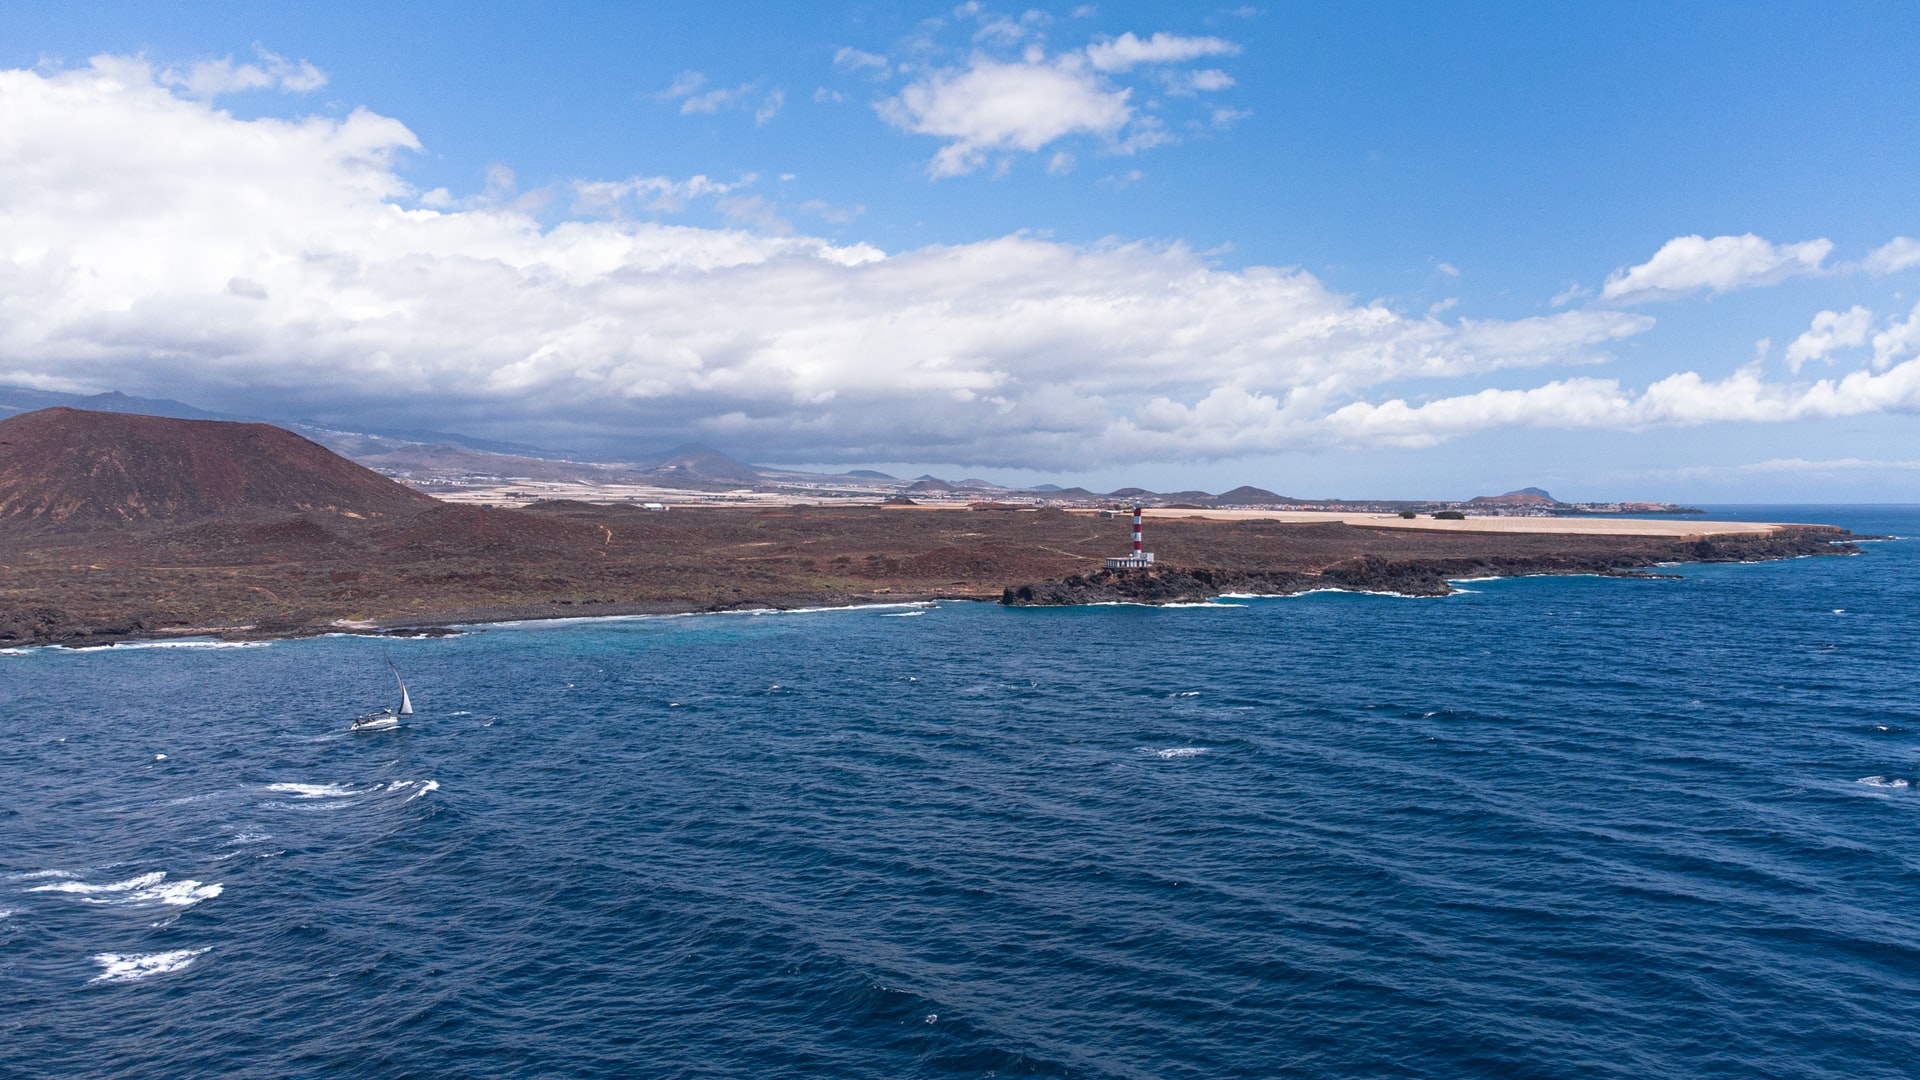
{"points": [[381, 719]]}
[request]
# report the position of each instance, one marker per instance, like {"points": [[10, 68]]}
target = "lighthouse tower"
{"points": [[1139, 560]]}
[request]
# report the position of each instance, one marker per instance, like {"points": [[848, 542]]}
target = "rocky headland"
{"points": [[1416, 576], [116, 526]]}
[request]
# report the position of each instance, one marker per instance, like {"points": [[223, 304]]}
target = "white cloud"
{"points": [[156, 244], [711, 101], [1685, 399], [1209, 80], [1895, 255], [1828, 465], [770, 107], [755, 212], [683, 84], [1127, 51], [1568, 295], [1688, 264], [657, 194], [1898, 340], [694, 101], [1831, 330], [854, 59], [1226, 118], [210, 78], [991, 106]]}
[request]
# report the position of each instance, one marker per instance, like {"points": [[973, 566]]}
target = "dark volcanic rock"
{"points": [[1420, 576], [1161, 585]]}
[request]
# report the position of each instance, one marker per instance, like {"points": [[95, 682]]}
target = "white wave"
{"points": [[13, 652], [1172, 753], [314, 791], [6, 913], [151, 888], [1185, 693], [184, 644], [118, 968], [902, 614], [431, 785], [1895, 783], [84, 889], [36, 875], [1332, 589], [580, 620]]}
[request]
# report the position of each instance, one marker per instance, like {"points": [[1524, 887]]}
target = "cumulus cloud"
{"points": [[1689, 264], [1898, 341], [1900, 253], [1831, 330], [157, 244], [990, 105], [1685, 399]]}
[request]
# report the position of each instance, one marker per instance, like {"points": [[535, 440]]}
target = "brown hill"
{"points": [[1248, 495], [67, 470], [1524, 497]]}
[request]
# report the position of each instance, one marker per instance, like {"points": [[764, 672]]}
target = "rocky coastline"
{"points": [[1410, 577], [117, 527]]}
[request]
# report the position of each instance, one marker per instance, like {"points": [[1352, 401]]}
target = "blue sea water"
{"points": [[1549, 827]]}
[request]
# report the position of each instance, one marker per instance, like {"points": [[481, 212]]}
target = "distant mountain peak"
{"points": [[1528, 496]]}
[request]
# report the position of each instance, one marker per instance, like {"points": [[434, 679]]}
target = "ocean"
{"points": [[1547, 827]]}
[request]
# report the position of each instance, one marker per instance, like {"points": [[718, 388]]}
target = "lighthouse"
{"points": [[1138, 560]]}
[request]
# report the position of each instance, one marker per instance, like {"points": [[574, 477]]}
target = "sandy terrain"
{"points": [[525, 494], [1558, 526]]}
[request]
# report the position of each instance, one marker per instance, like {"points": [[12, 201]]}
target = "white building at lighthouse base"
{"points": [[1138, 561]]}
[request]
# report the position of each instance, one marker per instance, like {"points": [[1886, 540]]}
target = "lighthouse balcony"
{"points": [[1131, 562]]}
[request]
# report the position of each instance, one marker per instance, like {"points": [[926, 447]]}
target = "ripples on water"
{"points": [[1551, 827]]}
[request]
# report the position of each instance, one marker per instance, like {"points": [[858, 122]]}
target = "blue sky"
{"points": [[1287, 245]]}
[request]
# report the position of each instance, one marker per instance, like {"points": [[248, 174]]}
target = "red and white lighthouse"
{"points": [[1139, 559]]}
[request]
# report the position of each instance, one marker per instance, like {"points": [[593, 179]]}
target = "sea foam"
{"points": [[1895, 783], [153, 888], [123, 646], [117, 968], [313, 791]]}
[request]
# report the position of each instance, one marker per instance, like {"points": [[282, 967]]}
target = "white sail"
{"points": [[406, 703]]}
